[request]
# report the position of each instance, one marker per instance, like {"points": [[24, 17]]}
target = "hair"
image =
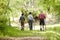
{"points": [[22, 14], [41, 11], [29, 12]]}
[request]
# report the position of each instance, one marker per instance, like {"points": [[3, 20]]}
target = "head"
{"points": [[29, 12], [41, 11], [22, 14]]}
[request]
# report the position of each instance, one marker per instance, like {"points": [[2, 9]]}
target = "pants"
{"points": [[22, 25], [30, 24]]}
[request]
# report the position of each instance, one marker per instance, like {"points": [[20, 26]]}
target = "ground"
{"points": [[24, 38], [34, 33]]}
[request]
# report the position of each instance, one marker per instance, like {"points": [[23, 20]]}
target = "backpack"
{"points": [[41, 16]]}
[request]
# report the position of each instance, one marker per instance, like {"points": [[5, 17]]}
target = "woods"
{"points": [[11, 10]]}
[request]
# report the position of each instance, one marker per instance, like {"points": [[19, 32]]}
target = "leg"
{"points": [[42, 27], [22, 26], [43, 23], [31, 26]]}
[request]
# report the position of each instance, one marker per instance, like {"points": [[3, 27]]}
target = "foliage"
{"points": [[12, 7], [9, 31], [4, 11]]}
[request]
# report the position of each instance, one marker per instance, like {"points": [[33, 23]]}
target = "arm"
{"points": [[39, 16], [44, 16], [24, 18], [19, 19], [32, 17]]}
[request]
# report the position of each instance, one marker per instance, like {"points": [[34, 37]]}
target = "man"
{"points": [[22, 19], [42, 20], [30, 20]]}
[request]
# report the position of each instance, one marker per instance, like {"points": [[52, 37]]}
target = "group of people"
{"points": [[41, 18]]}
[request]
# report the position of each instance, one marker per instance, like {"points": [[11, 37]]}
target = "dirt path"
{"points": [[24, 38], [30, 38], [36, 27]]}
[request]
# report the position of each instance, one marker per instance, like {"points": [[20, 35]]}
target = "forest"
{"points": [[11, 10]]}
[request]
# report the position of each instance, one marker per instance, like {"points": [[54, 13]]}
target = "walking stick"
{"points": [[45, 24], [34, 25]]}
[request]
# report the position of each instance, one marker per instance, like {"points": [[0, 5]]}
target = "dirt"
{"points": [[24, 38]]}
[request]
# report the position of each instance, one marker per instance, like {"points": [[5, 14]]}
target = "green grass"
{"points": [[56, 29], [8, 31]]}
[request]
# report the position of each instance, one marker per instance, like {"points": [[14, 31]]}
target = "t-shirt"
{"points": [[22, 19], [30, 17]]}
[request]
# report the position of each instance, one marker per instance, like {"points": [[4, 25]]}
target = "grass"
{"points": [[56, 29], [8, 31]]}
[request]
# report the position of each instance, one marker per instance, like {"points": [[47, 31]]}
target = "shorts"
{"points": [[42, 22]]}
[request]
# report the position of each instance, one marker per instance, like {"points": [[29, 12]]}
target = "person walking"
{"points": [[41, 18], [30, 21], [21, 20]]}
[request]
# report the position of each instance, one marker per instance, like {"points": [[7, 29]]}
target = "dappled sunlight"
{"points": [[21, 19]]}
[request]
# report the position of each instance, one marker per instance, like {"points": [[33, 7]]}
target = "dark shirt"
{"points": [[22, 19]]}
